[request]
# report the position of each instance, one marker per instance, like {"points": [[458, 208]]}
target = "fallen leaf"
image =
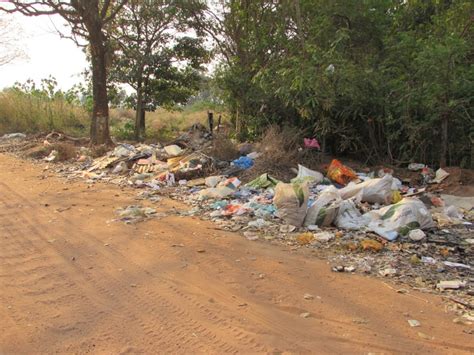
{"points": [[425, 336], [305, 238], [371, 245]]}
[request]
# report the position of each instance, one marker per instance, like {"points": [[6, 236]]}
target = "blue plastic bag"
{"points": [[243, 162]]}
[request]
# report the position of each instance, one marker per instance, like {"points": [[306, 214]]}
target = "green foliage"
{"points": [[156, 54], [124, 131], [377, 79]]}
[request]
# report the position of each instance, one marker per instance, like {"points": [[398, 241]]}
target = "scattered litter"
{"points": [[10, 136], [380, 222], [440, 175], [243, 162], [371, 245], [173, 150], [311, 143], [258, 223], [133, 214], [340, 173], [264, 181], [305, 238], [291, 201], [287, 228], [52, 156], [425, 336], [324, 236], [305, 174], [400, 218], [451, 264], [454, 284], [416, 166], [388, 272], [416, 235], [414, 323], [251, 235]]}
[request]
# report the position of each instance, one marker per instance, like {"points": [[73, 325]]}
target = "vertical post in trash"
{"points": [[210, 119], [219, 121]]}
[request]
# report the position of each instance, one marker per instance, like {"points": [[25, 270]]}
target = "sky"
{"points": [[47, 53]]}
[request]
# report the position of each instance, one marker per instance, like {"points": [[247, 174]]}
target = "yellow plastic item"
{"points": [[396, 196]]}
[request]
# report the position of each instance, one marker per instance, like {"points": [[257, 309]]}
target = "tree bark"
{"points": [[138, 113], [444, 140], [142, 123], [100, 112]]}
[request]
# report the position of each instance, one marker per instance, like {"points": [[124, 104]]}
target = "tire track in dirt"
{"points": [[39, 277], [176, 332], [89, 296]]}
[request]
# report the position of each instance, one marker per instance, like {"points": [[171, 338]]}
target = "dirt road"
{"points": [[71, 281]]}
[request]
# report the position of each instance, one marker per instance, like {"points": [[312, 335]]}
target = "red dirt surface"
{"points": [[71, 281]]}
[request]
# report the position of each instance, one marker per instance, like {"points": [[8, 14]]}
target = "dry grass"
{"points": [[223, 148], [66, 151], [97, 151], [279, 148], [161, 125], [20, 112]]}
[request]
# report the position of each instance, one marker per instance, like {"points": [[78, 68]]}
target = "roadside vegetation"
{"points": [[379, 80], [30, 109], [41, 109]]}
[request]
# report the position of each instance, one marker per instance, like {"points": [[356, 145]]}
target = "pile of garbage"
{"points": [[366, 222], [369, 223]]}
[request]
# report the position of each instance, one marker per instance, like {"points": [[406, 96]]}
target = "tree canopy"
{"points": [[157, 53], [386, 80]]}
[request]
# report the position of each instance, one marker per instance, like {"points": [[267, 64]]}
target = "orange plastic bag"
{"points": [[340, 173]]}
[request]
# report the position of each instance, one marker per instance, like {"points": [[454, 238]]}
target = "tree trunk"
{"points": [[142, 123], [100, 112], [138, 113], [444, 140]]}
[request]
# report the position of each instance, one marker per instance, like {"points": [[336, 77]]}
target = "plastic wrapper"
{"points": [[340, 173], [264, 181]]}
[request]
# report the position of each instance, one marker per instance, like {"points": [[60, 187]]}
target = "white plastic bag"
{"points": [[373, 190], [305, 174], [219, 192], [399, 218], [212, 181], [323, 211], [173, 150], [441, 174], [291, 202], [349, 217]]}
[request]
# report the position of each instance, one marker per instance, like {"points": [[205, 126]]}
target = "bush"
{"points": [[223, 148], [279, 149]]}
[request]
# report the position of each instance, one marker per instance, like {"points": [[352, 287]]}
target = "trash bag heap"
{"points": [[370, 222]]}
